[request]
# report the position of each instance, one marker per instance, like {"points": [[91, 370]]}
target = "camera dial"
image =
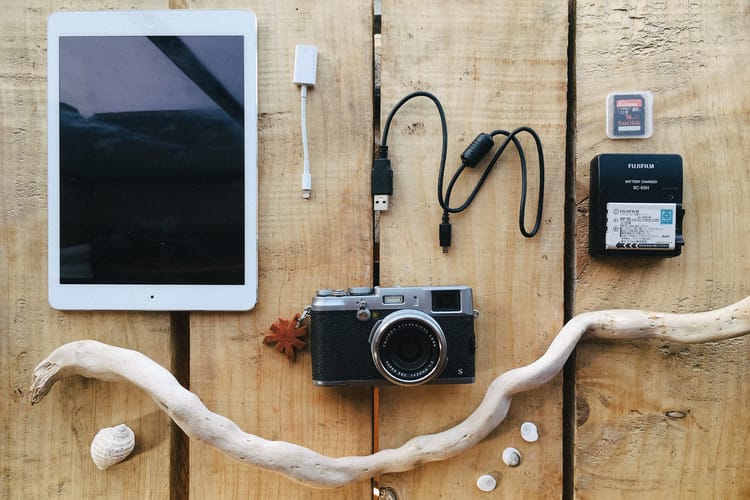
{"points": [[408, 347]]}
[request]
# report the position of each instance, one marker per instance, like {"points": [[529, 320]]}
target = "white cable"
{"points": [[305, 66], [306, 177]]}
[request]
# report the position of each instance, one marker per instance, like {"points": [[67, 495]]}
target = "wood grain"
{"points": [[655, 420], [304, 245], [44, 451], [497, 71]]}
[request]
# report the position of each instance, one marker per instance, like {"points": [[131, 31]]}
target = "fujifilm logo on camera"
{"points": [[405, 336]]}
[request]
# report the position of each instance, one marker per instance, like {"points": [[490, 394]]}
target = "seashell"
{"points": [[512, 457], [112, 445], [529, 432], [487, 483]]}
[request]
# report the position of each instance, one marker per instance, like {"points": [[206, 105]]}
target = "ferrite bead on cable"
{"points": [[477, 149]]}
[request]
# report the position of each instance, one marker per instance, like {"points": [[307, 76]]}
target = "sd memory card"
{"points": [[629, 115]]}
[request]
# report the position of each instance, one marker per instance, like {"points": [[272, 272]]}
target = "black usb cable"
{"points": [[382, 173]]}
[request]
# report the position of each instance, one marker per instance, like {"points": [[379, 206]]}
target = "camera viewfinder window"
{"points": [[446, 301]]}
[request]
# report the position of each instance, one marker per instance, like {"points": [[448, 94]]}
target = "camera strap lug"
{"points": [[305, 314]]}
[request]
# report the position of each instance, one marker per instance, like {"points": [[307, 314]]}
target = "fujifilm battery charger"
{"points": [[635, 205]]}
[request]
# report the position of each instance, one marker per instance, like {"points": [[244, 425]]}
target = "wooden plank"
{"points": [[304, 245], [44, 451], [492, 67], [657, 420]]}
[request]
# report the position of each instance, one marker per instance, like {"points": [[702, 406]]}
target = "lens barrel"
{"points": [[408, 347]]}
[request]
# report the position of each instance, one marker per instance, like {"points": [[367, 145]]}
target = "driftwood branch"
{"points": [[104, 362]]}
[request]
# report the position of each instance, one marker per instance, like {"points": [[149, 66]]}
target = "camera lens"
{"points": [[408, 347]]}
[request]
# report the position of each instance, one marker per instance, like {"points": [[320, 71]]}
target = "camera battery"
{"points": [[636, 205]]}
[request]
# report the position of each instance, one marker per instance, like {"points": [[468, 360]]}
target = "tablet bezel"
{"points": [[146, 296]]}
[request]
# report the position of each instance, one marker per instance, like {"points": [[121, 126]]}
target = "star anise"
{"points": [[287, 336]]}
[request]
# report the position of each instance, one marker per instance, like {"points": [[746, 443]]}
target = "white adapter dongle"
{"points": [[305, 67], [305, 64]]}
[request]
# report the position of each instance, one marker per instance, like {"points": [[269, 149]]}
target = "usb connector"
{"points": [[382, 181], [380, 202], [445, 232]]}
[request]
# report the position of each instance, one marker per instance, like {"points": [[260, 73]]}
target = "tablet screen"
{"points": [[153, 151], [151, 160]]}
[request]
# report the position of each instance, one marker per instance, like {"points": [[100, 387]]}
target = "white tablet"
{"points": [[153, 160]]}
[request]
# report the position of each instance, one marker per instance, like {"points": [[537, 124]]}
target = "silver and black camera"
{"points": [[406, 336]]}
